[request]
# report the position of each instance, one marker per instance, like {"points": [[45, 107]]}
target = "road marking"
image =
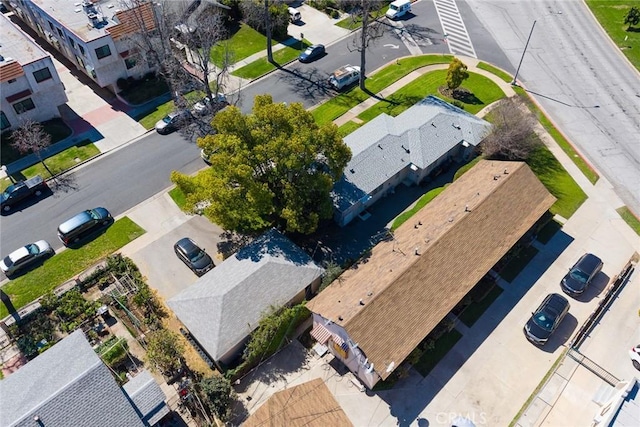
{"points": [[456, 35], [406, 37], [392, 46]]}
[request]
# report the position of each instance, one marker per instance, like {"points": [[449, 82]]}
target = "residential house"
{"points": [[309, 404], [223, 307], [378, 311], [68, 385], [92, 34], [405, 149], [30, 86]]}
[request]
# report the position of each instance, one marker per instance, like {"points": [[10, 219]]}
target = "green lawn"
{"points": [[178, 197], [629, 218], [558, 181], [474, 310], [422, 202], [464, 168], [348, 127], [498, 72], [68, 263], [515, 266], [54, 127], [610, 14], [245, 42], [354, 22], [342, 103], [483, 89], [262, 66], [430, 359], [148, 120], [64, 160]]}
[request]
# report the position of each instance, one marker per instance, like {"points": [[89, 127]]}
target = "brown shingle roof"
{"points": [[310, 404], [409, 283], [10, 70], [132, 20]]}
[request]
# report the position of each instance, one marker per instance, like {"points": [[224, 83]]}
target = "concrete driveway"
{"points": [[153, 252]]}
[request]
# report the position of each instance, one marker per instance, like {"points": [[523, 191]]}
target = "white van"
{"points": [[398, 8], [294, 15], [344, 76]]}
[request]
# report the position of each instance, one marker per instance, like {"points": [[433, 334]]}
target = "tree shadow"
{"points": [[64, 184], [232, 242], [309, 83]]}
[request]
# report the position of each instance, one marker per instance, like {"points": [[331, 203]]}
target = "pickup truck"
{"points": [[20, 191]]}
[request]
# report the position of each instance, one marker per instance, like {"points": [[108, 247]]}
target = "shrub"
{"points": [[122, 83]]}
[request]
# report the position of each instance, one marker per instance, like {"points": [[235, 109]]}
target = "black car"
{"points": [[21, 190], [581, 274], [192, 255], [546, 318], [312, 52]]}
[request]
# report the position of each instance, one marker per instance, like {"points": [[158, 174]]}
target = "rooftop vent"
{"points": [[455, 125], [505, 172], [352, 170], [361, 302], [433, 124], [380, 146], [405, 149], [340, 318]]}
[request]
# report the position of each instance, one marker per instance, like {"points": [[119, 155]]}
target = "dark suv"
{"points": [[581, 275], [193, 256], [546, 319]]}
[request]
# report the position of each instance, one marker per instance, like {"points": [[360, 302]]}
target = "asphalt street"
{"points": [[117, 181], [579, 77]]}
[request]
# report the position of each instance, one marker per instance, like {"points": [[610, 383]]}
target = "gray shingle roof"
{"points": [[386, 145], [67, 385], [147, 396], [224, 306]]}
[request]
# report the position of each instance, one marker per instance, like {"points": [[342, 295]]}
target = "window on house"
{"points": [[51, 26], [73, 44], [103, 51], [60, 32], [11, 81], [4, 122], [81, 49], [24, 105], [130, 62], [42, 75]]}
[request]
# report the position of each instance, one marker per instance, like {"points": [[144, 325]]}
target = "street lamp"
{"points": [[515, 78]]}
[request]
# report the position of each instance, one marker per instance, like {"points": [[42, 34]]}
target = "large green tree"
{"points": [[275, 166], [456, 74]]}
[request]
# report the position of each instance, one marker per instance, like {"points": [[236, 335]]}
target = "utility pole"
{"points": [[515, 78]]}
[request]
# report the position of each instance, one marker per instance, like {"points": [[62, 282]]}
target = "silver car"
{"points": [[25, 256]]}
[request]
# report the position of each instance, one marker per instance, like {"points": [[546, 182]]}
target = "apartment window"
{"points": [[11, 81], [42, 75], [24, 105], [73, 44], [4, 122], [103, 51], [130, 62], [51, 26], [60, 32], [81, 49]]}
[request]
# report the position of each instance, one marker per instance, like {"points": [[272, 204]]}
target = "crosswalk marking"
{"points": [[453, 28]]}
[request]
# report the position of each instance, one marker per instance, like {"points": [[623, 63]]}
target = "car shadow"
{"points": [[29, 268], [26, 203], [562, 335], [595, 288], [90, 237]]}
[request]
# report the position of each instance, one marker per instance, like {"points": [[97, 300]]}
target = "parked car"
{"points": [[205, 105], [21, 190], [311, 53], [546, 318], [294, 15], [193, 256], [634, 354], [173, 121], [25, 256], [344, 76], [83, 225], [581, 274]]}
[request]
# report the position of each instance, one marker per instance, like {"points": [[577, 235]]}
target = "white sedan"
{"points": [[25, 256]]}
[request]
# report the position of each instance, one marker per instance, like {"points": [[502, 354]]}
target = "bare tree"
{"points": [[270, 16], [31, 137], [372, 29], [512, 136]]}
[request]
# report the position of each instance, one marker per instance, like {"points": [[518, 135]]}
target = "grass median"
{"points": [[383, 78], [67, 264], [262, 66]]}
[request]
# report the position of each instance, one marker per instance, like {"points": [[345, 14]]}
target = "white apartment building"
{"points": [[29, 83], [91, 33]]}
